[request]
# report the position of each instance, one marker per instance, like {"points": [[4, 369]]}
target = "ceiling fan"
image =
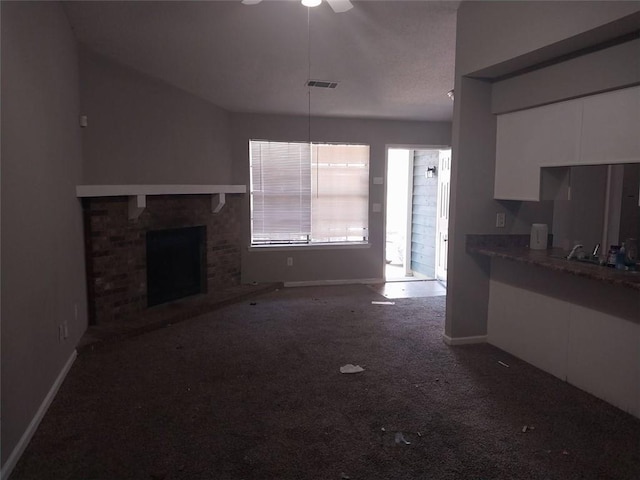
{"points": [[338, 6]]}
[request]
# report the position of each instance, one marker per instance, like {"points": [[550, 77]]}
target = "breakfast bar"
{"points": [[577, 321]]}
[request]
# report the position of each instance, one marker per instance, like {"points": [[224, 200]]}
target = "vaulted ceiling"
{"points": [[392, 59]]}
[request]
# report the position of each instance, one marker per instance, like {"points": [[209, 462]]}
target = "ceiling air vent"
{"points": [[321, 84]]}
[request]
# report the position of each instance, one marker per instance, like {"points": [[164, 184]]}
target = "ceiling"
{"points": [[392, 59]]}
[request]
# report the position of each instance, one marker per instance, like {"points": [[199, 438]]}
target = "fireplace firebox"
{"points": [[116, 248], [175, 263]]}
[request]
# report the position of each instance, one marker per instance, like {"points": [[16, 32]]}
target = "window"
{"points": [[306, 194]]}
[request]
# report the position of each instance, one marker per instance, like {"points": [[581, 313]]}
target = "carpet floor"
{"points": [[254, 391]]}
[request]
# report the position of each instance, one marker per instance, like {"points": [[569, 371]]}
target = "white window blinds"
{"points": [[303, 195], [280, 192]]}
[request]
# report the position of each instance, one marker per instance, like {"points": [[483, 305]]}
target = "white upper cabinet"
{"points": [[600, 129], [611, 127], [529, 139]]}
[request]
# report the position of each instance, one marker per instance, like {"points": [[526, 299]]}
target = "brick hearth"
{"points": [[116, 248]]}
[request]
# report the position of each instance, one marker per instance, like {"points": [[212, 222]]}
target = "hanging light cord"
{"points": [[309, 73], [309, 98]]}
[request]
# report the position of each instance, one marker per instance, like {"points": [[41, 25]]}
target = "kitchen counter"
{"points": [[577, 321], [514, 248]]}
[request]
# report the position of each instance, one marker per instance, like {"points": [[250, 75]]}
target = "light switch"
{"points": [[378, 180], [377, 207]]}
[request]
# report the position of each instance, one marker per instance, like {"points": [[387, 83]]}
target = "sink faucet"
{"points": [[574, 251]]}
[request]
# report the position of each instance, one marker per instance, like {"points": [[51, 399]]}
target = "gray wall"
{"points": [[630, 208], [617, 67], [338, 263], [580, 218], [489, 34], [424, 213], [43, 275], [144, 131], [497, 32]]}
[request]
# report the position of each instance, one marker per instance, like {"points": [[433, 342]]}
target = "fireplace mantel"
{"points": [[138, 193]]}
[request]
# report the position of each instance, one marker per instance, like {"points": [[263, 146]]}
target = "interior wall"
{"points": [[489, 33], [495, 32], [43, 279], [312, 264], [472, 208], [580, 219], [144, 131], [617, 67], [630, 207]]}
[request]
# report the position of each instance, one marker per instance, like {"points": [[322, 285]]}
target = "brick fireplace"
{"points": [[116, 248]]}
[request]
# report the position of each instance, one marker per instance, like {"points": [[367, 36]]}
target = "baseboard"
{"points": [[19, 449], [464, 340], [349, 281]]}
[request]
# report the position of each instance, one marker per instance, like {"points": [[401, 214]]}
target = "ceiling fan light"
{"points": [[311, 3]]}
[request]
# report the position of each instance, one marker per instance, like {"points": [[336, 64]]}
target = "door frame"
{"points": [[411, 147], [439, 242]]}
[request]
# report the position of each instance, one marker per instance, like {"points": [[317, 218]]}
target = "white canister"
{"points": [[539, 234]]}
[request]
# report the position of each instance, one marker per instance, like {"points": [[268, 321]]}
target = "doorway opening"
{"points": [[417, 213]]}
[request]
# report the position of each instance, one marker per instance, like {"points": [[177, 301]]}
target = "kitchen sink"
{"points": [[589, 260], [592, 261]]}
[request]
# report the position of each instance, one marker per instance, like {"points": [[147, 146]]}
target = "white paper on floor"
{"points": [[383, 303], [349, 368]]}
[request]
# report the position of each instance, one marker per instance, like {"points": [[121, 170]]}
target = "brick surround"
{"points": [[116, 248]]}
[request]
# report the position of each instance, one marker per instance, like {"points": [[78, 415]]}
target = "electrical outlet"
{"points": [[65, 330], [500, 220], [289, 261]]}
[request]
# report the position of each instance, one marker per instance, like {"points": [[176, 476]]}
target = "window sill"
{"points": [[316, 246]]}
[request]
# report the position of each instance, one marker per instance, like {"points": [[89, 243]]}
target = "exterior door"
{"points": [[442, 220]]}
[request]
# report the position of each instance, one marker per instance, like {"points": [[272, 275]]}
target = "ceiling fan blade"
{"points": [[340, 6], [251, 2]]}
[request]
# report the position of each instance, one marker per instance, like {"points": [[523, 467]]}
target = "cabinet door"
{"points": [[611, 127], [530, 139]]}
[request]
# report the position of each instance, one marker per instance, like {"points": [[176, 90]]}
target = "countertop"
{"points": [[551, 258]]}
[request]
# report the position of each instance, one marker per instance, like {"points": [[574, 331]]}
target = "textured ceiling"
{"points": [[393, 59]]}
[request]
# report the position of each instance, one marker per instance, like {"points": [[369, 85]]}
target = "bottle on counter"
{"points": [[612, 255], [621, 256], [631, 249]]}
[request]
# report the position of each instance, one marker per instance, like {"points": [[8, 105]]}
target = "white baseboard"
{"points": [[19, 449], [350, 281], [464, 340]]}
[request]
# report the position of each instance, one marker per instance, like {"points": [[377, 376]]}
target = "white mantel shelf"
{"points": [[138, 193]]}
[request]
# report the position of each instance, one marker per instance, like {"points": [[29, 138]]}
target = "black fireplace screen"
{"points": [[175, 264]]}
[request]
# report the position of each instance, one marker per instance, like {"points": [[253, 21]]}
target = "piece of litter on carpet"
{"points": [[503, 364], [400, 439], [383, 303], [524, 429], [349, 368]]}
